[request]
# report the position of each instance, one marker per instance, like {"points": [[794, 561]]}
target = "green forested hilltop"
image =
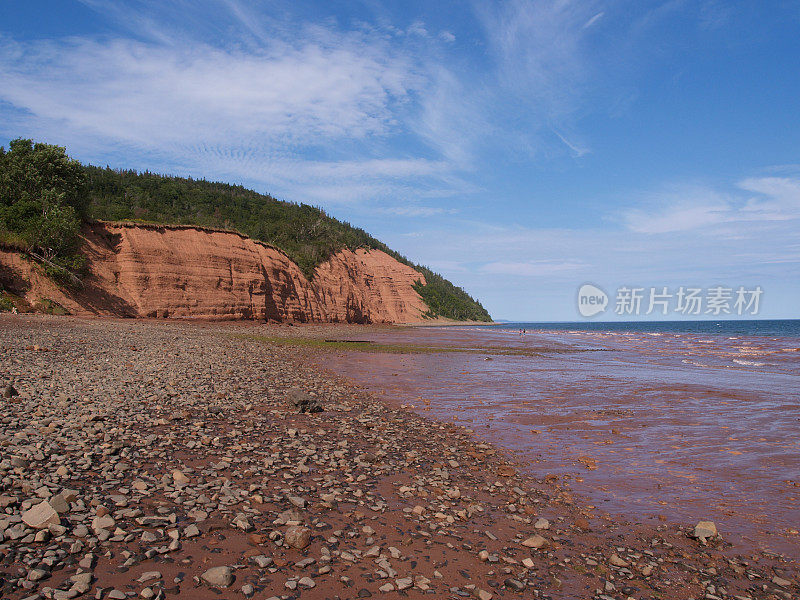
{"points": [[307, 234], [45, 195]]}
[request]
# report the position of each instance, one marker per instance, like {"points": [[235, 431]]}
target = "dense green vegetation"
{"points": [[42, 202], [306, 233], [44, 195], [447, 300]]}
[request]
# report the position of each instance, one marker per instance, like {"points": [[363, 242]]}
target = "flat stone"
{"points": [[191, 531], [104, 522], [616, 561], [262, 561], [298, 502], [535, 541], [59, 504], [705, 529], [82, 578], [404, 583], [149, 576], [37, 574], [41, 516], [542, 524]]}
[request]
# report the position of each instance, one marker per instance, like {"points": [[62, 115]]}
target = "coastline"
{"points": [[436, 501], [442, 322], [682, 428]]}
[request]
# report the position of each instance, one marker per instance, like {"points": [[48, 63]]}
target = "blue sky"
{"points": [[520, 148]]}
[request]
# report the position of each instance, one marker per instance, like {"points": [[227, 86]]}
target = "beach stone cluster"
{"points": [[182, 460]]}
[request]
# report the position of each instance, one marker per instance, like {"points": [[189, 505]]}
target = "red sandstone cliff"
{"points": [[190, 272]]}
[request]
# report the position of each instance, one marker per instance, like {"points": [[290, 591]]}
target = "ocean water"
{"points": [[729, 327], [686, 420]]}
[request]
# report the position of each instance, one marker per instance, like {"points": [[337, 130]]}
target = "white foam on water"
{"points": [[686, 361], [748, 363]]}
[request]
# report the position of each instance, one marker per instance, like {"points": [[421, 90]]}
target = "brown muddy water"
{"points": [[677, 427]]}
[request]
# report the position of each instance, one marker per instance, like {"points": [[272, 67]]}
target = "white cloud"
{"points": [[578, 150], [415, 167], [419, 211], [695, 207], [150, 94], [298, 108], [452, 118], [533, 268], [534, 85], [540, 52], [680, 217], [257, 112], [778, 198], [690, 235], [593, 20], [418, 28]]}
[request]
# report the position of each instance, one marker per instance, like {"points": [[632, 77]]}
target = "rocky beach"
{"points": [[168, 459]]}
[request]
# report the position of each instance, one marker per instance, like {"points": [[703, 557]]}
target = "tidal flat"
{"points": [[162, 459]]}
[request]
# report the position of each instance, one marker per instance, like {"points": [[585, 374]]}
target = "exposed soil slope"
{"points": [[192, 272]]}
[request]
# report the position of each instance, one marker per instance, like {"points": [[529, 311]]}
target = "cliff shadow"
{"points": [[13, 281], [271, 310], [96, 299]]}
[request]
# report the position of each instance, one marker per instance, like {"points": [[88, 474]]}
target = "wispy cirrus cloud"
{"points": [[543, 63], [295, 107], [148, 94], [533, 268], [741, 234], [246, 114], [410, 117], [687, 208], [419, 211]]}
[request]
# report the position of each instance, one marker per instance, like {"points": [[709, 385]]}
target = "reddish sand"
{"points": [[387, 493], [677, 427]]}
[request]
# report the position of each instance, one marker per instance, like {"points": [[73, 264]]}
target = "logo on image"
{"points": [[591, 300]]}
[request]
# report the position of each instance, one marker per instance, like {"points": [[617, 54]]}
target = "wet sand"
{"points": [[174, 448], [671, 426]]}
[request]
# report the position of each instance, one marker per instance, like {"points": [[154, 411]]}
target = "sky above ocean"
{"points": [[520, 148]]}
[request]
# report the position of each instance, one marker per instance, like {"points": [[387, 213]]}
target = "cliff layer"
{"points": [[191, 272]]}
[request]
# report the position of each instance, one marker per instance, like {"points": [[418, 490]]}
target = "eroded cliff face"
{"points": [[368, 286], [190, 272]]}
